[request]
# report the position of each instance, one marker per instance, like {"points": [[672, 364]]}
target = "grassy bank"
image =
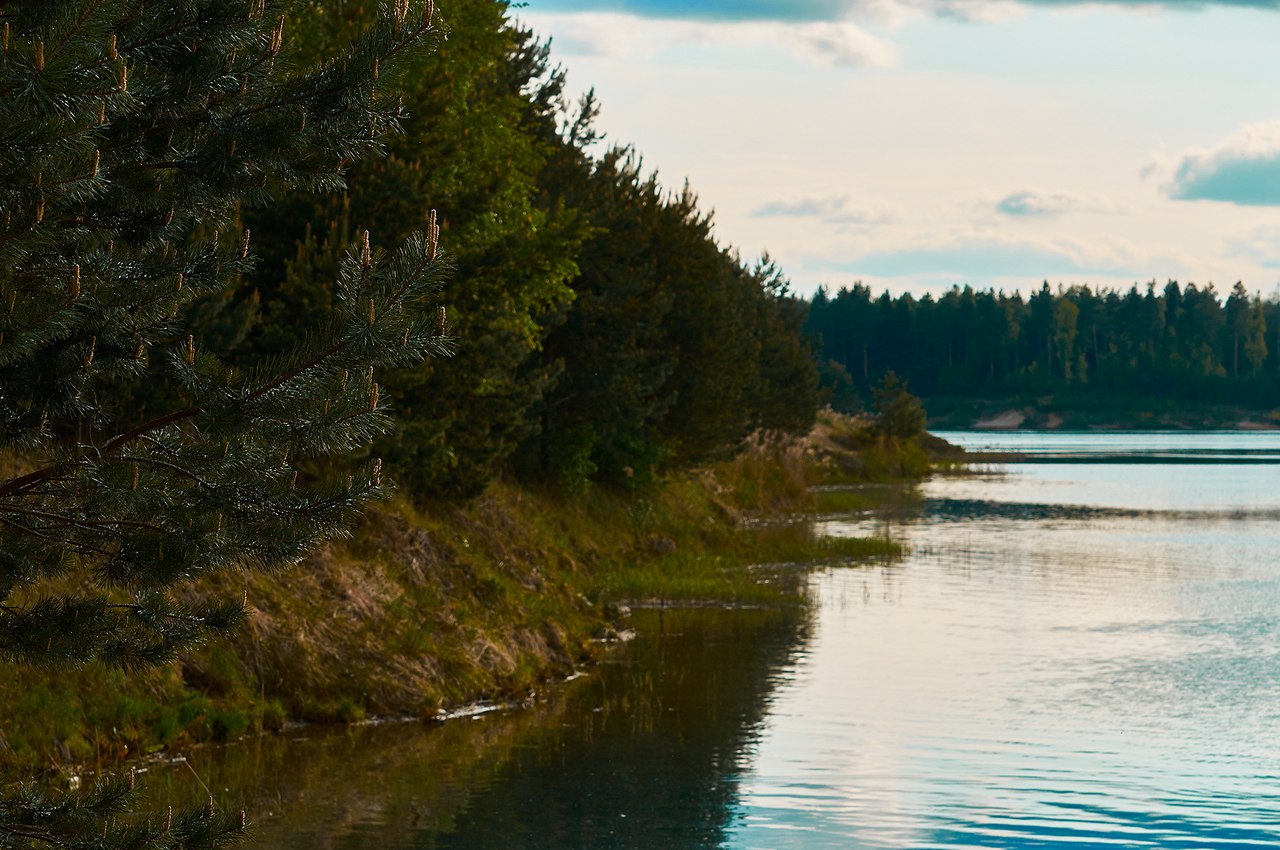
{"points": [[431, 606]]}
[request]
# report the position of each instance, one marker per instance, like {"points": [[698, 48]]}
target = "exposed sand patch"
{"points": [[1006, 421]]}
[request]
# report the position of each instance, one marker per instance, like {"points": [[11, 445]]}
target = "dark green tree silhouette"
{"points": [[130, 137], [1255, 336], [899, 414], [609, 351], [481, 125], [1239, 319], [1144, 348], [784, 396]]}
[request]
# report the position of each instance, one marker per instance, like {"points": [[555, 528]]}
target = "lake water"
{"points": [[1081, 649]]}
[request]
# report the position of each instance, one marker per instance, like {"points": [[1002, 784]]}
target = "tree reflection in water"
{"points": [[644, 752]]}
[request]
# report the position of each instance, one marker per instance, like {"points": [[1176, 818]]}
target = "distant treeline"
{"points": [[601, 331], [1171, 342]]}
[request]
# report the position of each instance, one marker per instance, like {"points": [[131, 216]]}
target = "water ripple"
{"points": [[1064, 660]]}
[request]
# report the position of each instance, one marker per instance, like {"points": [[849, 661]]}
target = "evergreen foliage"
{"points": [[130, 138], [899, 414], [603, 333], [36, 818], [785, 393], [710, 330], [672, 351], [1177, 342], [599, 418], [481, 126]]}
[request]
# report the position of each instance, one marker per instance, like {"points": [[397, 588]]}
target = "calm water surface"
{"points": [[1079, 651], [1074, 654]]}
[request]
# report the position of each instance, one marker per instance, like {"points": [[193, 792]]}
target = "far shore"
{"points": [[948, 414]]}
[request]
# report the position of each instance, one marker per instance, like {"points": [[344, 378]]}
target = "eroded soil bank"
{"points": [[427, 607]]}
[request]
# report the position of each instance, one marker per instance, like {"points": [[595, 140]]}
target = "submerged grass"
{"points": [[428, 607]]}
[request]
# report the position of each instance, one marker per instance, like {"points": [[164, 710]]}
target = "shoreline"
{"points": [[1047, 415], [427, 610]]}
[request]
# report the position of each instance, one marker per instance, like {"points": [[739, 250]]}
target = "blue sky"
{"points": [[916, 144]]}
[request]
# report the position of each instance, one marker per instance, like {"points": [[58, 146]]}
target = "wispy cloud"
{"points": [[617, 35], [1036, 203], [1261, 245], [799, 11], [834, 209], [967, 262], [842, 44], [1243, 169], [713, 10], [980, 257]]}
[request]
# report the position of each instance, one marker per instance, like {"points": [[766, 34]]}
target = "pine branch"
{"points": [[23, 482], [145, 428], [52, 52]]}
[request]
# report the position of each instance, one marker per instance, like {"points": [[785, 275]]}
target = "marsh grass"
{"points": [[851, 501]]}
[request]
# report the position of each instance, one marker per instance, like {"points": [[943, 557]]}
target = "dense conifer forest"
{"points": [[1174, 343], [602, 332], [257, 260]]}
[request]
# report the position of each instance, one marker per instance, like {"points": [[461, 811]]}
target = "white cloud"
{"points": [[614, 35], [1243, 169], [841, 44], [1032, 203], [1260, 245], [981, 255], [789, 12], [976, 11], [775, 11], [835, 209], [608, 34]]}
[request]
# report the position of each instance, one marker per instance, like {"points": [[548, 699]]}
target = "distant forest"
{"points": [[1174, 342]]}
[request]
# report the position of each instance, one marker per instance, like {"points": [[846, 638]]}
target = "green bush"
{"points": [[899, 414]]}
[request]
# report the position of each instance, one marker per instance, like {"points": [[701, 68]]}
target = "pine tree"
{"points": [[899, 414], [1255, 336], [130, 137], [483, 124], [784, 396], [611, 353]]}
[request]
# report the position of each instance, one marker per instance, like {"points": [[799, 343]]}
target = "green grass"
{"points": [[846, 501], [740, 577]]}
